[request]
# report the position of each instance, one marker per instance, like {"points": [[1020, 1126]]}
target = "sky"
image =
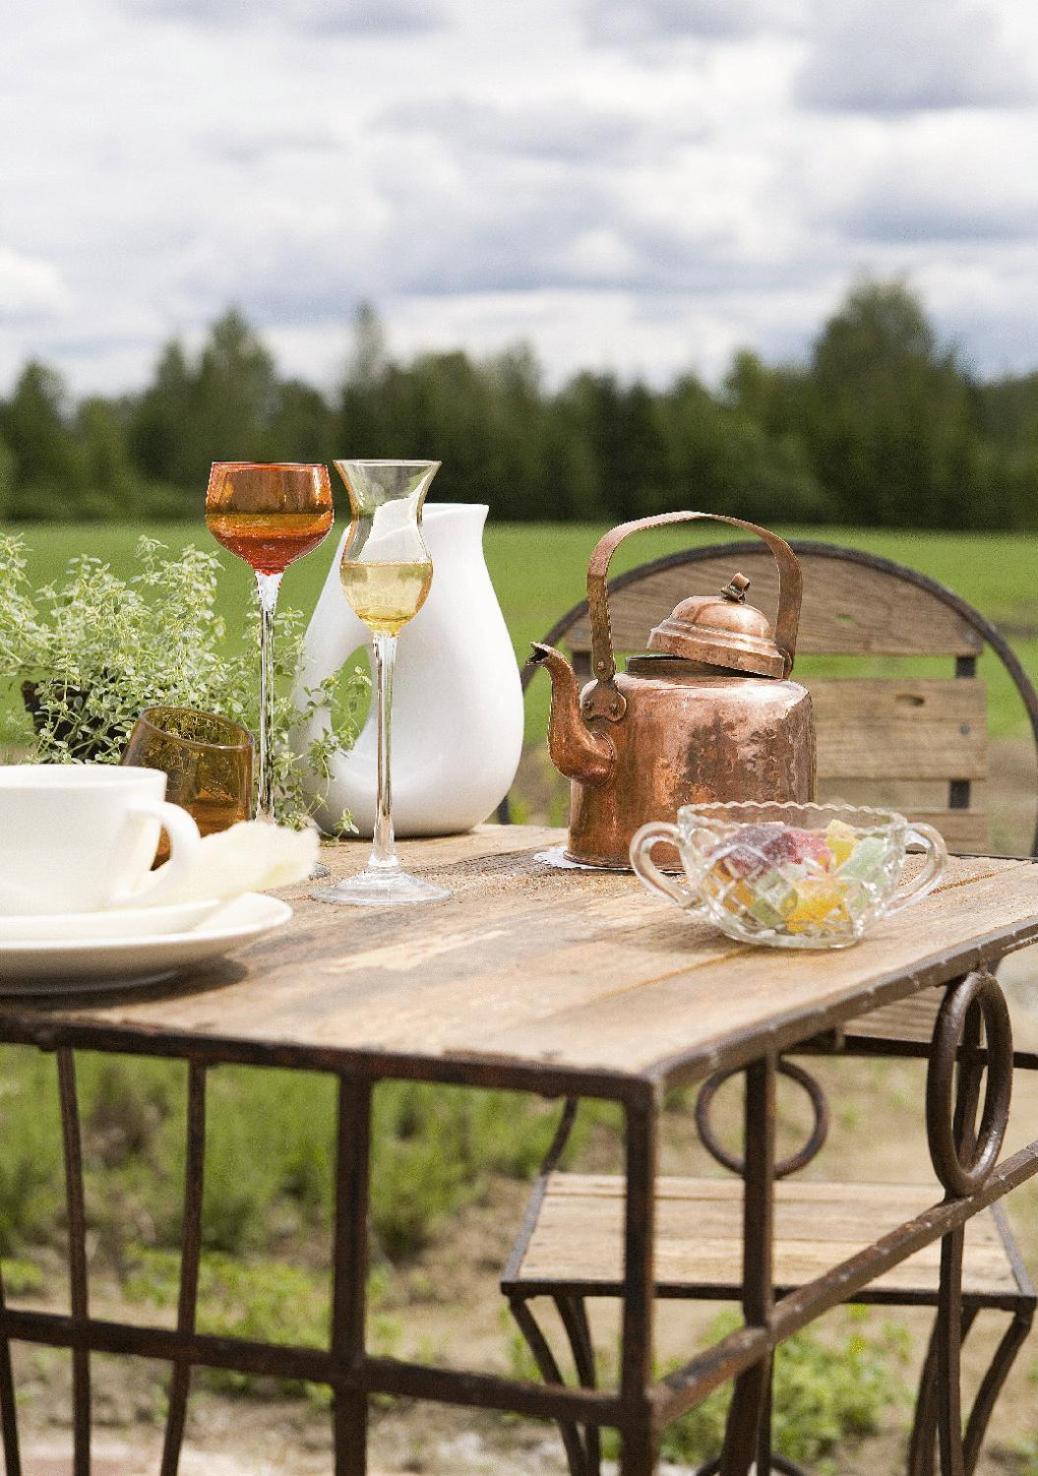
{"points": [[636, 185]]}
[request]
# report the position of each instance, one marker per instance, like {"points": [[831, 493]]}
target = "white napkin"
{"points": [[252, 856]]}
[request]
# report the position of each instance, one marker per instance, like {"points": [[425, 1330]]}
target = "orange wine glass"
{"points": [[269, 514]]}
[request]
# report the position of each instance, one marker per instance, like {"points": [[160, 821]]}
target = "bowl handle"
{"points": [[649, 874], [932, 842]]}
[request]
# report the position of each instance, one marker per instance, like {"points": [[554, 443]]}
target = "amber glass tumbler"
{"points": [[207, 760]]}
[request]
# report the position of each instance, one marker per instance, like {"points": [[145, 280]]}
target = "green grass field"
{"points": [[539, 571]]}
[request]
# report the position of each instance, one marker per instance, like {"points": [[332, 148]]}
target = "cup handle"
{"points": [[649, 874], [933, 868], [184, 839]]}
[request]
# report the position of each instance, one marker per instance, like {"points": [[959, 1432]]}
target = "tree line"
{"points": [[881, 424]]}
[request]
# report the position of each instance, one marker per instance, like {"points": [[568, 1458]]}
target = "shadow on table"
{"points": [[107, 994]]}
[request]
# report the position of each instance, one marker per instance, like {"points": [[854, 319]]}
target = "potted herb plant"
{"points": [[82, 657]]}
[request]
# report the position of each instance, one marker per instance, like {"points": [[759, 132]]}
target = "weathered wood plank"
{"points": [[578, 1237], [881, 728], [910, 796], [910, 1019], [848, 608], [698, 1012], [526, 964]]}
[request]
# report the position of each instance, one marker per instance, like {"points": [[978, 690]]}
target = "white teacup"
{"points": [[82, 837]]}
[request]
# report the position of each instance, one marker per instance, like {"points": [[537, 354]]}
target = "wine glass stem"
{"points": [[267, 585], [383, 852]]}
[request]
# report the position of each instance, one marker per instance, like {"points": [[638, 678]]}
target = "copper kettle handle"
{"points": [[790, 585]]}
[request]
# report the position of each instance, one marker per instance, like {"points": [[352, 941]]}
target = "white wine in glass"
{"points": [[385, 595], [386, 573]]}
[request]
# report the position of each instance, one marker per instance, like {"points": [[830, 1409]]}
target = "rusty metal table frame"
{"points": [[639, 1407]]}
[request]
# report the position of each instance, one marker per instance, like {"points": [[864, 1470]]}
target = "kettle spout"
{"points": [[575, 749]]}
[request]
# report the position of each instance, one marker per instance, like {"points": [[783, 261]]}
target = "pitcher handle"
{"points": [[649, 874], [933, 868]]}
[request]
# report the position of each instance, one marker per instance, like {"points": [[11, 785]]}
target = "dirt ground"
{"points": [[448, 1310]]}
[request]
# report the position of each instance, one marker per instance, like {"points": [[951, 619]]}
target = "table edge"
{"points": [[786, 1031], [544, 1077]]}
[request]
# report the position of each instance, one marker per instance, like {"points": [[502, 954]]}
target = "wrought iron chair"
{"points": [[920, 745]]}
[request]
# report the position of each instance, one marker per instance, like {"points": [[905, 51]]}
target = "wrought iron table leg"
{"points": [[747, 1440], [923, 1445], [639, 1445], [764, 1455], [949, 1347], [350, 1272], [190, 1259], [923, 1441], [924, 1425], [991, 1386], [549, 1371], [778, 1463], [76, 1211], [573, 1312], [745, 1418], [8, 1408]]}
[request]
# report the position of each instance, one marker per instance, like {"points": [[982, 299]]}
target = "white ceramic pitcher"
{"points": [[457, 698]]}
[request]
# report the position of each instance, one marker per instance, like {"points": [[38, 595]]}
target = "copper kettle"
{"points": [[707, 714]]}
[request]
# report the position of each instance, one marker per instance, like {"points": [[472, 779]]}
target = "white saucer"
{"points": [[58, 966], [112, 922]]}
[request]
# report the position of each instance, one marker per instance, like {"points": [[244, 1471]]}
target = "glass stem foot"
{"points": [[379, 886]]}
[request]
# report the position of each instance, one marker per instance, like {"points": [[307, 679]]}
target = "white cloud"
{"points": [[625, 21], [558, 128], [309, 17], [645, 199], [30, 289], [954, 183], [904, 56]]}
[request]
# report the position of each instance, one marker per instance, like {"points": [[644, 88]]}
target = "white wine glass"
{"points": [[386, 571]]}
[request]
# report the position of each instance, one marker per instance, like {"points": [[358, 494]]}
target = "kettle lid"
{"points": [[721, 630]]}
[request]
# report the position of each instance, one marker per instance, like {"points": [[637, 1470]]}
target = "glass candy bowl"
{"points": [[789, 875]]}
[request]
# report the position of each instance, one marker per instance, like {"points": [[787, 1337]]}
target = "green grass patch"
{"points": [[257, 1299], [832, 1387], [539, 571], [269, 1156]]}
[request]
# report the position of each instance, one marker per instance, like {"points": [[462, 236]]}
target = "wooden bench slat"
{"points": [[965, 831], [578, 1238], [907, 1019], [879, 728], [848, 608]]}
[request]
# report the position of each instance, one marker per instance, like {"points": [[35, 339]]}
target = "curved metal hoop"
{"points": [[795, 1161], [949, 1135]]}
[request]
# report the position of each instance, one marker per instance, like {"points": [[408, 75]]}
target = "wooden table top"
{"points": [[528, 970]]}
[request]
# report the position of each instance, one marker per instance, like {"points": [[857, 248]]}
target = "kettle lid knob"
{"points": [[723, 631]]}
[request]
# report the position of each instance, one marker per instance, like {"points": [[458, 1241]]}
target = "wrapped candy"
{"points": [[795, 880]]}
